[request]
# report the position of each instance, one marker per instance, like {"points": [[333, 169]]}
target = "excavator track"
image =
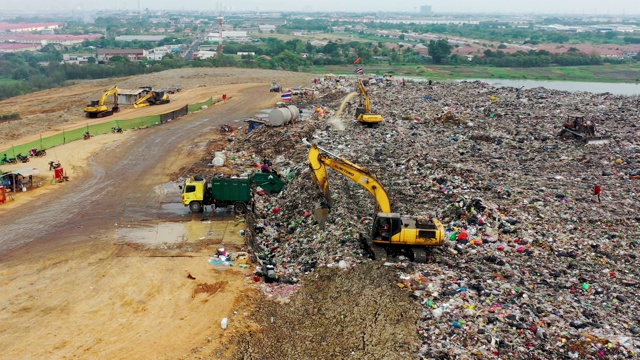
{"points": [[377, 251], [419, 254]]}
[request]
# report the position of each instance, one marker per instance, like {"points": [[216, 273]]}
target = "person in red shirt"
{"points": [[596, 191]]}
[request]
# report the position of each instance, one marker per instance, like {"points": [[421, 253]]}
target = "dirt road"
{"points": [[79, 280]]}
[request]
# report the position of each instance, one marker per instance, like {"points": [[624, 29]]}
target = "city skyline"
{"points": [[569, 7]]}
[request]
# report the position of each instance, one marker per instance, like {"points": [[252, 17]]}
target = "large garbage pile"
{"points": [[535, 266]]}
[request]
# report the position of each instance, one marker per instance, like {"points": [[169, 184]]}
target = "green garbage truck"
{"points": [[197, 192]]}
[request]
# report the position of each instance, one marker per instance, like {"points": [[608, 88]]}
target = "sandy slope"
{"points": [[88, 295]]}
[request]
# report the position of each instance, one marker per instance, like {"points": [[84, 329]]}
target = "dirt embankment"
{"points": [[84, 293], [46, 112]]}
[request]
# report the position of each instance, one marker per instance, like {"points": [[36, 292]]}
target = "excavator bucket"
{"points": [[320, 214]]}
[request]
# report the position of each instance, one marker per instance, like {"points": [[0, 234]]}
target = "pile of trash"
{"points": [[535, 265]]}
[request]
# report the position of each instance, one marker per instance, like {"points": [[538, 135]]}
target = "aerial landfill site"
{"points": [[537, 262]]}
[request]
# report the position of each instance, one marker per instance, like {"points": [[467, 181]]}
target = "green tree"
{"points": [[439, 50], [331, 48], [118, 58], [288, 60]]}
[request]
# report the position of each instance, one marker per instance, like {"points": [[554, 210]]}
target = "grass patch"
{"points": [[626, 73], [7, 81]]}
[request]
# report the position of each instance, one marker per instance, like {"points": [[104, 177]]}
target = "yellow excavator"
{"points": [[392, 233], [98, 108], [152, 98], [363, 112]]}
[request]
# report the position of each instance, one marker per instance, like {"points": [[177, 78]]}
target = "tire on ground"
{"points": [[195, 207], [239, 208]]}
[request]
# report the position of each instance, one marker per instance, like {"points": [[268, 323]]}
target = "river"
{"points": [[594, 87]]}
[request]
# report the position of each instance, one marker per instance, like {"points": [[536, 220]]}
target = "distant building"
{"points": [[130, 96], [151, 38], [204, 54], [131, 54], [239, 36], [28, 27], [425, 10], [267, 28], [157, 54], [43, 39], [6, 47], [78, 59]]}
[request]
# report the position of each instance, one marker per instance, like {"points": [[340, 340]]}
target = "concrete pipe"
{"points": [[280, 117]]}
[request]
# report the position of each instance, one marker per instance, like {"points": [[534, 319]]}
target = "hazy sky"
{"points": [[577, 7]]}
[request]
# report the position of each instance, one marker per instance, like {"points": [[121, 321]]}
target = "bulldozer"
{"points": [[392, 234], [583, 131]]}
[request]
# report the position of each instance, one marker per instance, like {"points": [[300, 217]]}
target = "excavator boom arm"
{"points": [[319, 159], [113, 91], [363, 92], [143, 99]]}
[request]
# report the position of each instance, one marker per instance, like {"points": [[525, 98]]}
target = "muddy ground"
{"points": [[111, 265]]}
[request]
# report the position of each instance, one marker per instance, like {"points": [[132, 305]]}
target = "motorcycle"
{"points": [[116, 129], [37, 153], [22, 158], [87, 136], [54, 165], [6, 160]]}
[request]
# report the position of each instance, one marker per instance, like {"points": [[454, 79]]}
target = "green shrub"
{"points": [[9, 117]]}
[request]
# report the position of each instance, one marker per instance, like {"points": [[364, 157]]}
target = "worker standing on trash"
{"points": [[265, 166], [596, 191]]}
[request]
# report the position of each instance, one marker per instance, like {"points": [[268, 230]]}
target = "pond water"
{"points": [[593, 87]]}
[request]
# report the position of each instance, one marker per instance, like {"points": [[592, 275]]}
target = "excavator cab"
{"points": [[384, 227]]}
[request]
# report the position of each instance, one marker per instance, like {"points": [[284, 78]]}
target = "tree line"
{"points": [[26, 72]]}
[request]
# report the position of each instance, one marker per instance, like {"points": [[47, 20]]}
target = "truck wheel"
{"points": [[195, 207], [239, 208]]}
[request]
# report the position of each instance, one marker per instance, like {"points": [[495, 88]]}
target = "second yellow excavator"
{"points": [[392, 233], [363, 111], [152, 98]]}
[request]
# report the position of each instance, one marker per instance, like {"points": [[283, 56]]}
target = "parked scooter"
{"points": [[6, 160], [37, 153], [54, 165], [22, 158], [116, 130]]}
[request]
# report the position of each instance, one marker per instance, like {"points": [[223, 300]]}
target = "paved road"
{"points": [[125, 184]]}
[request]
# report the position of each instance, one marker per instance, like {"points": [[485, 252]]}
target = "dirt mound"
{"points": [[337, 314]]}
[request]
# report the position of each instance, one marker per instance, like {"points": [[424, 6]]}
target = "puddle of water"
{"points": [[175, 208], [168, 233], [167, 188], [182, 232]]}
